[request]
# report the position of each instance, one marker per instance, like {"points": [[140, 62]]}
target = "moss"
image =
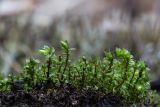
{"points": [[117, 73]]}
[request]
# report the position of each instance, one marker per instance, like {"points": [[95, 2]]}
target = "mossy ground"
{"points": [[114, 81], [60, 96]]}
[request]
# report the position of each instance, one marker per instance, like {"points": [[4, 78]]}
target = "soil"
{"points": [[56, 96]]}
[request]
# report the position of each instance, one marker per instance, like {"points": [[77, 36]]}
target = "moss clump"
{"points": [[117, 74]]}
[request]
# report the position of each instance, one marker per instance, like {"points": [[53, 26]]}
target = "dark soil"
{"points": [[56, 96]]}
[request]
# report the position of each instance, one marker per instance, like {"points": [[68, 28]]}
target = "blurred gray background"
{"points": [[90, 26]]}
